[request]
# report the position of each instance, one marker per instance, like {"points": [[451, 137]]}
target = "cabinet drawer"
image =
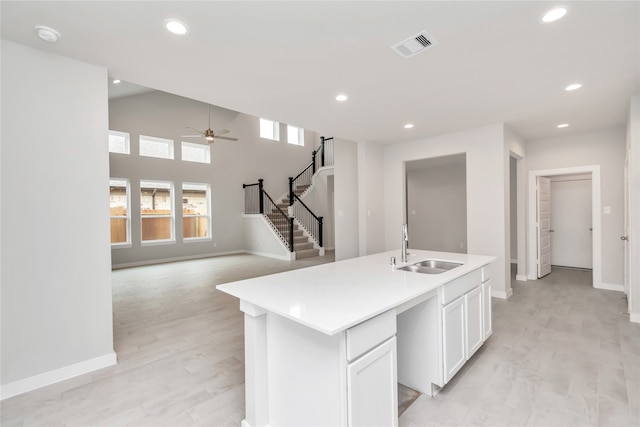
{"points": [[369, 334], [486, 273], [461, 286]]}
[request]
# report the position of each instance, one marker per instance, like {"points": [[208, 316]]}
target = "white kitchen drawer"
{"points": [[486, 273], [369, 334], [461, 286]]}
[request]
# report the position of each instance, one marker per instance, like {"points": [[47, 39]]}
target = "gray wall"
{"points": [[56, 272], [164, 115], [437, 205], [605, 148]]}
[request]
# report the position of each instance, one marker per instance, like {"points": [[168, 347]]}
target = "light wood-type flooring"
{"points": [[561, 354]]}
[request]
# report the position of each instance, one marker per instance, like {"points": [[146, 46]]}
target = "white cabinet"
{"points": [[453, 338], [486, 309], [372, 387], [474, 330]]}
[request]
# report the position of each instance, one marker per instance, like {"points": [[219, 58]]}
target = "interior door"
{"points": [[571, 243], [627, 196], [543, 212]]}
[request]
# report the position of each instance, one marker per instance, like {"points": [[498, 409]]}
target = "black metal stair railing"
{"points": [[307, 219], [258, 201]]}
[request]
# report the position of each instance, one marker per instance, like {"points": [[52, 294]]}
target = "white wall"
{"points": [[245, 161], [437, 207], [605, 148], [346, 199], [633, 147], [56, 272], [371, 198], [487, 191]]}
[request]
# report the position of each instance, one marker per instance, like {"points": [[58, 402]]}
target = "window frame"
{"points": [[171, 216], [299, 135], [128, 243], [127, 141], [168, 142], [204, 147], [274, 129], [207, 188]]}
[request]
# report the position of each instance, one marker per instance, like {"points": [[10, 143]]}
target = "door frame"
{"points": [[596, 208]]}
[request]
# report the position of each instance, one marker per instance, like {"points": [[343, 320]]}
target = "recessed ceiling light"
{"points": [[554, 14], [563, 125], [573, 86], [408, 126], [176, 27], [341, 98], [47, 34], [116, 81]]}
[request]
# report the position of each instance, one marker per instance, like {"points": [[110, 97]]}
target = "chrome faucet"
{"points": [[405, 242]]}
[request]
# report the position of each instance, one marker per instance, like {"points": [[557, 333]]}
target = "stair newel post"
{"points": [[313, 160], [320, 231], [290, 191], [261, 195], [322, 148], [291, 233]]}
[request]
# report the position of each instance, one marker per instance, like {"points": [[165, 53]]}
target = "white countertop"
{"points": [[336, 296]]}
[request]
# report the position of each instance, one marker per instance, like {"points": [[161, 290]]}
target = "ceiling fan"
{"points": [[210, 134]]}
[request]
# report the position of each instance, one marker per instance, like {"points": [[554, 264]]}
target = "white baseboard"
{"points": [[289, 257], [609, 287], [521, 277], [502, 295], [174, 259], [41, 380], [635, 317]]}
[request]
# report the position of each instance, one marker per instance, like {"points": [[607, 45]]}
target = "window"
{"points": [[119, 211], [156, 211], [151, 146], [269, 129], [196, 217], [196, 152], [295, 135], [118, 142]]}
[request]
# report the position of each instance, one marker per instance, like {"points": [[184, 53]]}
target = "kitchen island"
{"points": [[326, 345]]}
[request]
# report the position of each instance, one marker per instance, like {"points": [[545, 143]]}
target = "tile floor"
{"points": [[561, 354]]}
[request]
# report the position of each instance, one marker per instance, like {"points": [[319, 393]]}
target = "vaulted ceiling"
{"points": [[490, 62]]}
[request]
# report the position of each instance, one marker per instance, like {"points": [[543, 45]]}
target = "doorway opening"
{"points": [[538, 228]]}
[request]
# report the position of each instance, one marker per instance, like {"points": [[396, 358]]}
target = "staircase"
{"points": [[299, 228]]}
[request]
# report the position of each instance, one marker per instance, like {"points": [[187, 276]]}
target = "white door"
{"points": [[372, 388], [571, 242], [473, 320], [453, 337], [543, 222], [627, 196], [486, 309]]}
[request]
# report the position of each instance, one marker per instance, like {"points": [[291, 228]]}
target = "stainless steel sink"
{"points": [[431, 266]]}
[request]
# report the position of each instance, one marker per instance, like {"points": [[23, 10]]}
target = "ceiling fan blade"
{"points": [[226, 137], [222, 132], [200, 132]]}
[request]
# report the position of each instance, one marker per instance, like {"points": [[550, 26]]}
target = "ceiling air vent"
{"points": [[414, 45]]}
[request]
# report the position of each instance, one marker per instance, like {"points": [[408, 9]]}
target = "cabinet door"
{"points": [[453, 338], [372, 387], [486, 309], [473, 320]]}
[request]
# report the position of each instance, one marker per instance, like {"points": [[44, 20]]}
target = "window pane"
{"points": [[156, 147], [118, 142], [118, 207], [269, 129], [156, 202], [196, 152], [295, 135], [195, 210]]}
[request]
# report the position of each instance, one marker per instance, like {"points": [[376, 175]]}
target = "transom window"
{"points": [[150, 146], [192, 152], [156, 211], [269, 129], [295, 135], [196, 208], [118, 142], [120, 213]]}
